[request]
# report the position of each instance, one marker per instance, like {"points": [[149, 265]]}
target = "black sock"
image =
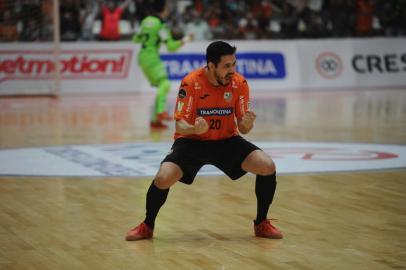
{"points": [[156, 197], [264, 190]]}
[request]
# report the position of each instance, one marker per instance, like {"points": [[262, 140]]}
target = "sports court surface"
{"points": [[74, 172]]}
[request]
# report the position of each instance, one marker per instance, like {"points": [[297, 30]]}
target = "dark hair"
{"points": [[158, 5], [217, 49]]}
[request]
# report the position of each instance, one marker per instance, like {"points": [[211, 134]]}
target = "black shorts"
{"points": [[227, 155]]}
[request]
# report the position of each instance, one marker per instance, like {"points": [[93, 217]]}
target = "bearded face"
{"points": [[225, 69]]}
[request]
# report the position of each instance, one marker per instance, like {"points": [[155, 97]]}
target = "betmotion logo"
{"points": [[73, 64]]}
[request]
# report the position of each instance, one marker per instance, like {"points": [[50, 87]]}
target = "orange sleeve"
{"points": [[243, 100], [184, 108]]}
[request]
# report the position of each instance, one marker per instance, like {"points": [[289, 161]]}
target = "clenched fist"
{"points": [[247, 122], [249, 117], [200, 126]]}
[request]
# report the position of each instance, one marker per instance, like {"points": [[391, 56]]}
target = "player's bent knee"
{"points": [[164, 182], [267, 168], [169, 173], [258, 162]]}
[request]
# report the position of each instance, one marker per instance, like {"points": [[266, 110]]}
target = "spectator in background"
{"points": [[213, 20], [31, 31], [200, 5], [111, 20], [30, 19], [8, 26], [341, 15], [47, 29], [88, 18], [390, 16], [264, 19], [141, 9], [364, 18], [227, 19], [3, 4], [188, 14], [70, 20], [289, 21], [198, 27], [229, 30], [314, 26], [248, 27], [402, 17]]}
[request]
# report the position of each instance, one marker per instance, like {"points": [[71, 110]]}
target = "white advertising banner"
{"points": [[325, 64], [379, 63], [353, 63], [111, 67], [84, 68]]}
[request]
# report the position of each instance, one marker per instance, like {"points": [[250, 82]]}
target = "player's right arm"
{"points": [[186, 121], [137, 38], [200, 126]]}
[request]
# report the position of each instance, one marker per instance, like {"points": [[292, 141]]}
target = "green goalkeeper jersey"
{"points": [[153, 32]]}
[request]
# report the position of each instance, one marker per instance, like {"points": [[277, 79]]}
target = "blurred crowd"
{"points": [[87, 20]]}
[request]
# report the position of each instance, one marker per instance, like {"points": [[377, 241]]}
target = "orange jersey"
{"points": [[220, 106]]}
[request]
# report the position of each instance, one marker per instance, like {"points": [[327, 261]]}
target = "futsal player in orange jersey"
{"points": [[212, 108]]}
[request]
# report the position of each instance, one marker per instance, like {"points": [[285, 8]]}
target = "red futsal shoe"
{"points": [[142, 231], [266, 230]]}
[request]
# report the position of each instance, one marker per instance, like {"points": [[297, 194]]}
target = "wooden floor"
{"points": [[330, 221]]}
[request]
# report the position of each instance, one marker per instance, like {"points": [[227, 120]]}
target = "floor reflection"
{"points": [[363, 116]]}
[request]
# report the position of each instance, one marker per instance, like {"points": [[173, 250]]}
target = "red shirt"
{"points": [[220, 106], [365, 13], [110, 25]]}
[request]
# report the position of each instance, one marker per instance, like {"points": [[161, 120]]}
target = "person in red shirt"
{"points": [[111, 19], [212, 108], [364, 17]]}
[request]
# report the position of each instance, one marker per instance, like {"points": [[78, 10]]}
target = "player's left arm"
{"points": [[137, 38], [246, 123], [166, 37], [245, 117], [171, 43]]}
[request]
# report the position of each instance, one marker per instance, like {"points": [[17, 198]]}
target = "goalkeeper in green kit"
{"points": [[153, 32]]}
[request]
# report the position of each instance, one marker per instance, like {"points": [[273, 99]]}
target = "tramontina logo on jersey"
{"points": [[215, 111], [73, 64], [252, 65]]}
